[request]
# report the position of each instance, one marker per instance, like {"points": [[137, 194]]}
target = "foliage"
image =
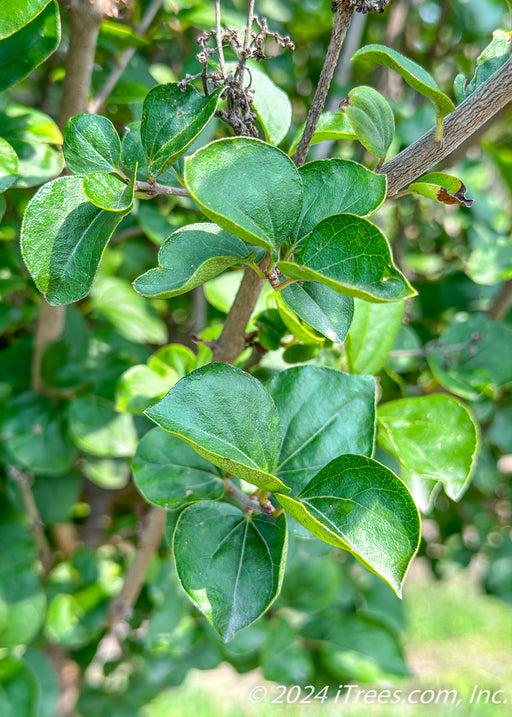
{"points": [[291, 481]]}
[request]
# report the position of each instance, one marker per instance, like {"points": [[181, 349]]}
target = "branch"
{"points": [[501, 302], [469, 116], [256, 503], [24, 481], [97, 103], [218, 37], [341, 24], [153, 188]]}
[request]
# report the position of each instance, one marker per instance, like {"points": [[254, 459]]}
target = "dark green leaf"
{"points": [[285, 658], [371, 118], [29, 46], [171, 120], [35, 434], [300, 353], [372, 335], [333, 186], [231, 565], [98, 429], [247, 187], [433, 436], [191, 256], [15, 14], [352, 256], [331, 126], [323, 413], [359, 505], [91, 144], [47, 681], [169, 473], [272, 107], [109, 192], [18, 688], [62, 239], [8, 165], [227, 417], [322, 308]]}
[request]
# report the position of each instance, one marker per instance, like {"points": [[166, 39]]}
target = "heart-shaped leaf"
{"points": [[323, 414], [171, 120], [322, 308], [191, 256], [372, 335], [227, 417], [8, 165], [109, 192], [441, 187], [357, 504], [352, 256], [333, 186], [62, 239], [169, 473], [371, 119], [30, 45], [247, 187], [331, 126], [242, 552], [415, 76], [91, 144], [433, 436]]}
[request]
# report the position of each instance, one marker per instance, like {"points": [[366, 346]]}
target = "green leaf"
{"points": [[284, 657], [352, 256], [98, 429], [24, 50], [8, 165], [15, 14], [26, 124], [37, 163], [171, 120], [323, 414], [191, 256], [35, 434], [236, 579], [441, 187], [107, 473], [227, 417], [47, 681], [247, 187], [18, 688], [415, 76], [140, 387], [322, 308], [371, 119], [62, 239], [357, 504], [272, 107], [331, 126], [169, 473], [91, 144], [295, 326], [133, 316], [372, 335], [109, 192], [487, 63], [490, 261], [433, 436], [334, 186]]}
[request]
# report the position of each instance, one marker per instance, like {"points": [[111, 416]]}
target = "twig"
{"points": [[252, 503], [153, 188], [433, 347], [341, 24], [218, 37], [24, 481], [112, 80], [469, 116], [247, 41], [501, 302]]}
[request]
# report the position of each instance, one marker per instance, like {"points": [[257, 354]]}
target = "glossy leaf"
{"points": [[333, 186], [109, 192], [8, 165], [169, 473], [227, 417], [272, 107], [322, 308], [357, 504], [171, 120], [62, 239], [30, 45], [443, 188], [415, 76], [371, 119], [191, 256], [262, 211], [98, 429], [372, 335], [35, 434], [352, 256], [487, 63], [91, 144], [294, 325], [433, 436], [241, 552], [331, 126], [15, 14], [323, 414]]}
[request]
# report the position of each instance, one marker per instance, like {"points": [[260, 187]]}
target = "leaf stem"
{"points": [[153, 188]]}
